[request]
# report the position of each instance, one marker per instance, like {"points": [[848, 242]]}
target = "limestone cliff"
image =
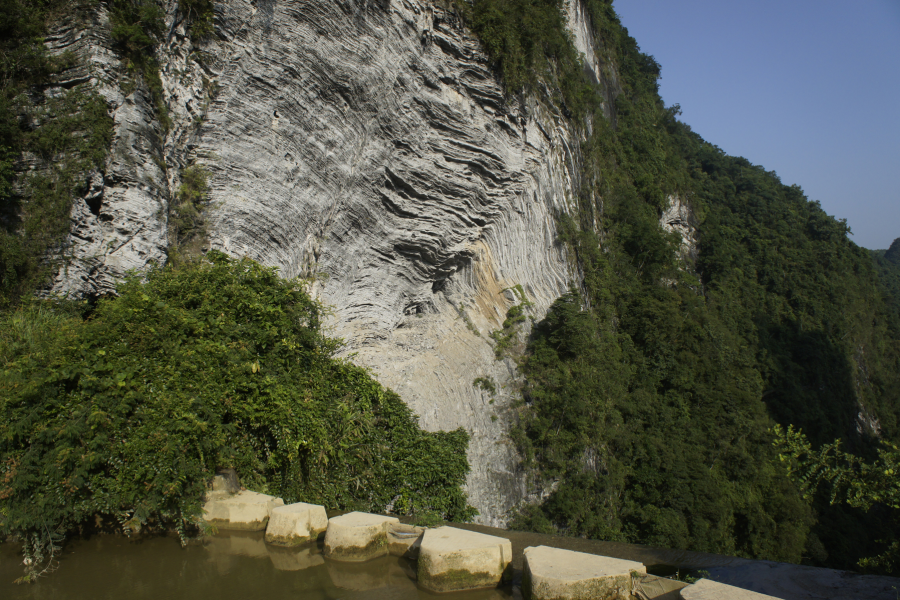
{"points": [[369, 142]]}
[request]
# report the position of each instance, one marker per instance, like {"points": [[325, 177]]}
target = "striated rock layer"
{"points": [[369, 142]]}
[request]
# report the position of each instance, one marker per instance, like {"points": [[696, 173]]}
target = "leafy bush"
{"points": [[846, 478], [218, 364], [200, 15]]}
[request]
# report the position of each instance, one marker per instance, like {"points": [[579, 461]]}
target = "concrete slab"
{"points": [[295, 524], [712, 590], [405, 540], [357, 536], [554, 574], [247, 511], [453, 560]]}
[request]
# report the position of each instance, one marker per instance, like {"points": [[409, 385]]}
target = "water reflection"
{"points": [[241, 566], [232, 566]]}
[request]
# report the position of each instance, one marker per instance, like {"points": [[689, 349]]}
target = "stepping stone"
{"points": [[357, 536], [248, 511], [404, 540], [705, 589], [554, 574], [296, 524], [452, 560]]}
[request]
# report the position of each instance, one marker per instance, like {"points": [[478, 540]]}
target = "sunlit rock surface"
{"points": [[357, 536], [454, 560], [369, 142], [247, 511], [554, 574]]}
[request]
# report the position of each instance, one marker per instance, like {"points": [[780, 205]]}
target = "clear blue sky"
{"points": [[807, 88]]}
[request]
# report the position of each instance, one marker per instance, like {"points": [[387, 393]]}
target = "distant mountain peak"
{"points": [[893, 253]]}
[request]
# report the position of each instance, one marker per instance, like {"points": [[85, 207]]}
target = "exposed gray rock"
{"points": [[369, 142], [120, 224], [679, 218]]}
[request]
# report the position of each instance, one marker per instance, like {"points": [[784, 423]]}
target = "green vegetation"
{"points": [[487, 384], [528, 40], [848, 479], [200, 15], [127, 413], [505, 337], [651, 392], [188, 229], [887, 264], [48, 145], [137, 27]]}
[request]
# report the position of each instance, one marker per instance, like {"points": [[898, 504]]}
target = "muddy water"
{"points": [[239, 566], [242, 566]]}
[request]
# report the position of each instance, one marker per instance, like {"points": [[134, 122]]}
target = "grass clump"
{"points": [[186, 223], [221, 363], [487, 384]]}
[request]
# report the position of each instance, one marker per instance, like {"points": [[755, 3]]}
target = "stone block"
{"points": [[554, 574], [247, 511], [296, 524], [453, 560], [225, 481], [706, 589], [356, 536], [405, 540]]}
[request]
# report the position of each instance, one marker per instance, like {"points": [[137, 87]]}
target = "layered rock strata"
{"points": [[368, 144]]}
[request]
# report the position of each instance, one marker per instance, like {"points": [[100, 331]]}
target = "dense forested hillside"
{"points": [[887, 262], [653, 387]]}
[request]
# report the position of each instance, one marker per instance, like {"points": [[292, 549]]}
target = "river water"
{"points": [[241, 566]]}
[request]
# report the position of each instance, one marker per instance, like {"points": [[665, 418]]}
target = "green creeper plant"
{"points": [[218, 363]]}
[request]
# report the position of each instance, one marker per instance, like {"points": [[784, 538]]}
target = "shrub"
{"points": [[217, 364]]}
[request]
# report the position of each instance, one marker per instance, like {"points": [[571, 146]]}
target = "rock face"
{"points": [[120, 223], [369, 142], [679, 218]]}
